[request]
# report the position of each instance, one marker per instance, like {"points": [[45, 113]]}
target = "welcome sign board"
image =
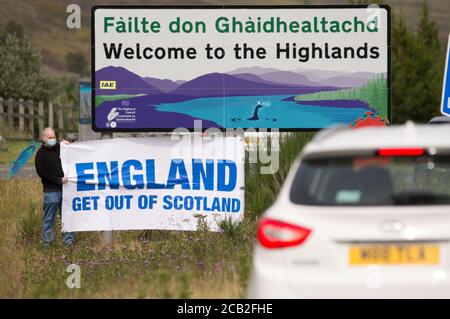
{"points": [[293, 67]]}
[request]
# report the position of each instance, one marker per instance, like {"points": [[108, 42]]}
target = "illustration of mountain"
{"points": [[365, 75], [279, 77], [337, 78], [345, 81], [257, 70], [164, 85], [179, 82], [325, 74], [299, 76], [126, 82], [317, 74], [256, 78], [288, 77], [312, 76], [219, 84], [305, 77], [209, 85], [250, 77]]}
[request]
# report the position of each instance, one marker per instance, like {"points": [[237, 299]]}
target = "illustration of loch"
{"points": [[237, 99]]}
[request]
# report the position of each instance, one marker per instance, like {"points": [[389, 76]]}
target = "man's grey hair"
{"points": [[45, 130]]}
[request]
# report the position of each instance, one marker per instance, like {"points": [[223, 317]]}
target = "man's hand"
{"points": [[65, 142], [64, 180]]}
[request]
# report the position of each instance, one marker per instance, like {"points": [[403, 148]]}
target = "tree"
{"points": [[21, 76], [417, 65], [14, 28], [76, 63]]}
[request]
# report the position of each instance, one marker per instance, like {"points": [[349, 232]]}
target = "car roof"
{"points": [[440, 120], [344, 139]]}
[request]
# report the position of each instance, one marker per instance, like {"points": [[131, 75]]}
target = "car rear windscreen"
{"points": [[367, 181]]}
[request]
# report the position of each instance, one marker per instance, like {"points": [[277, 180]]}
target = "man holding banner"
{"points": [[48, 167]]}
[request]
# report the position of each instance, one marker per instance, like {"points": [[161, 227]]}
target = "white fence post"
{"points": [[60, 111], [31, 118], [41, 116], [21, 116], [50, 114], [107, 236], [1, 115], [10, 116]]}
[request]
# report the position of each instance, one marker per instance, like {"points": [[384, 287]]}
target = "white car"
{"points": [[363, 213]]}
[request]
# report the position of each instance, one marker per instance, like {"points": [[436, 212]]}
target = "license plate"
{"points": [[394, 254]]}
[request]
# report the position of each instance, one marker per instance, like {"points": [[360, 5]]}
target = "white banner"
{"points": [[152, 183]]}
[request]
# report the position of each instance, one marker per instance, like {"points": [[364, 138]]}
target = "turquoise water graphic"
{"points": [[234, 111]]}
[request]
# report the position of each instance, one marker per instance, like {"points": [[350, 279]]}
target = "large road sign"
{"points": [[445, 103], [156, 68]]}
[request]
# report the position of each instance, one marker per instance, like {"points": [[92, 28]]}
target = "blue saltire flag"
{"points": [[23, 158]]}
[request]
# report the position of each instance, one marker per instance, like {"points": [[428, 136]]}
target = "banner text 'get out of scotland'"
{"points": [[152, 183]]}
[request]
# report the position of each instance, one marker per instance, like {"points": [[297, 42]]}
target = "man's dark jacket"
{"points": [[48, 166]]}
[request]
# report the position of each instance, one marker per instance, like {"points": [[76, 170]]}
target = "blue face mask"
{"points": [[51, 142]]}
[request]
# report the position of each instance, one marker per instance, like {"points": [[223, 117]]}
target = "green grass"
{"points": [[168, 264], [99, 99], [262, 189], [374, 93], [13, 150]]}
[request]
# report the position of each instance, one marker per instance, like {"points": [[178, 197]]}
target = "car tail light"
{"points": [[416, 151], [277, 234]]}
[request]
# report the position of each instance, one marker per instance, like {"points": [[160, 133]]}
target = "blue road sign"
{"points": [[445, 103]]}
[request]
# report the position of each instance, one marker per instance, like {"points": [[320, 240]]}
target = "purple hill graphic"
{"points": [[310, 77], [164, 85], [131, 83], [219, 84], [289, 78], [208, 85], [126, 82]]}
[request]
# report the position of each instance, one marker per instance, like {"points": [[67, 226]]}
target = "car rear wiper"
{"points": [[420, 198]]}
